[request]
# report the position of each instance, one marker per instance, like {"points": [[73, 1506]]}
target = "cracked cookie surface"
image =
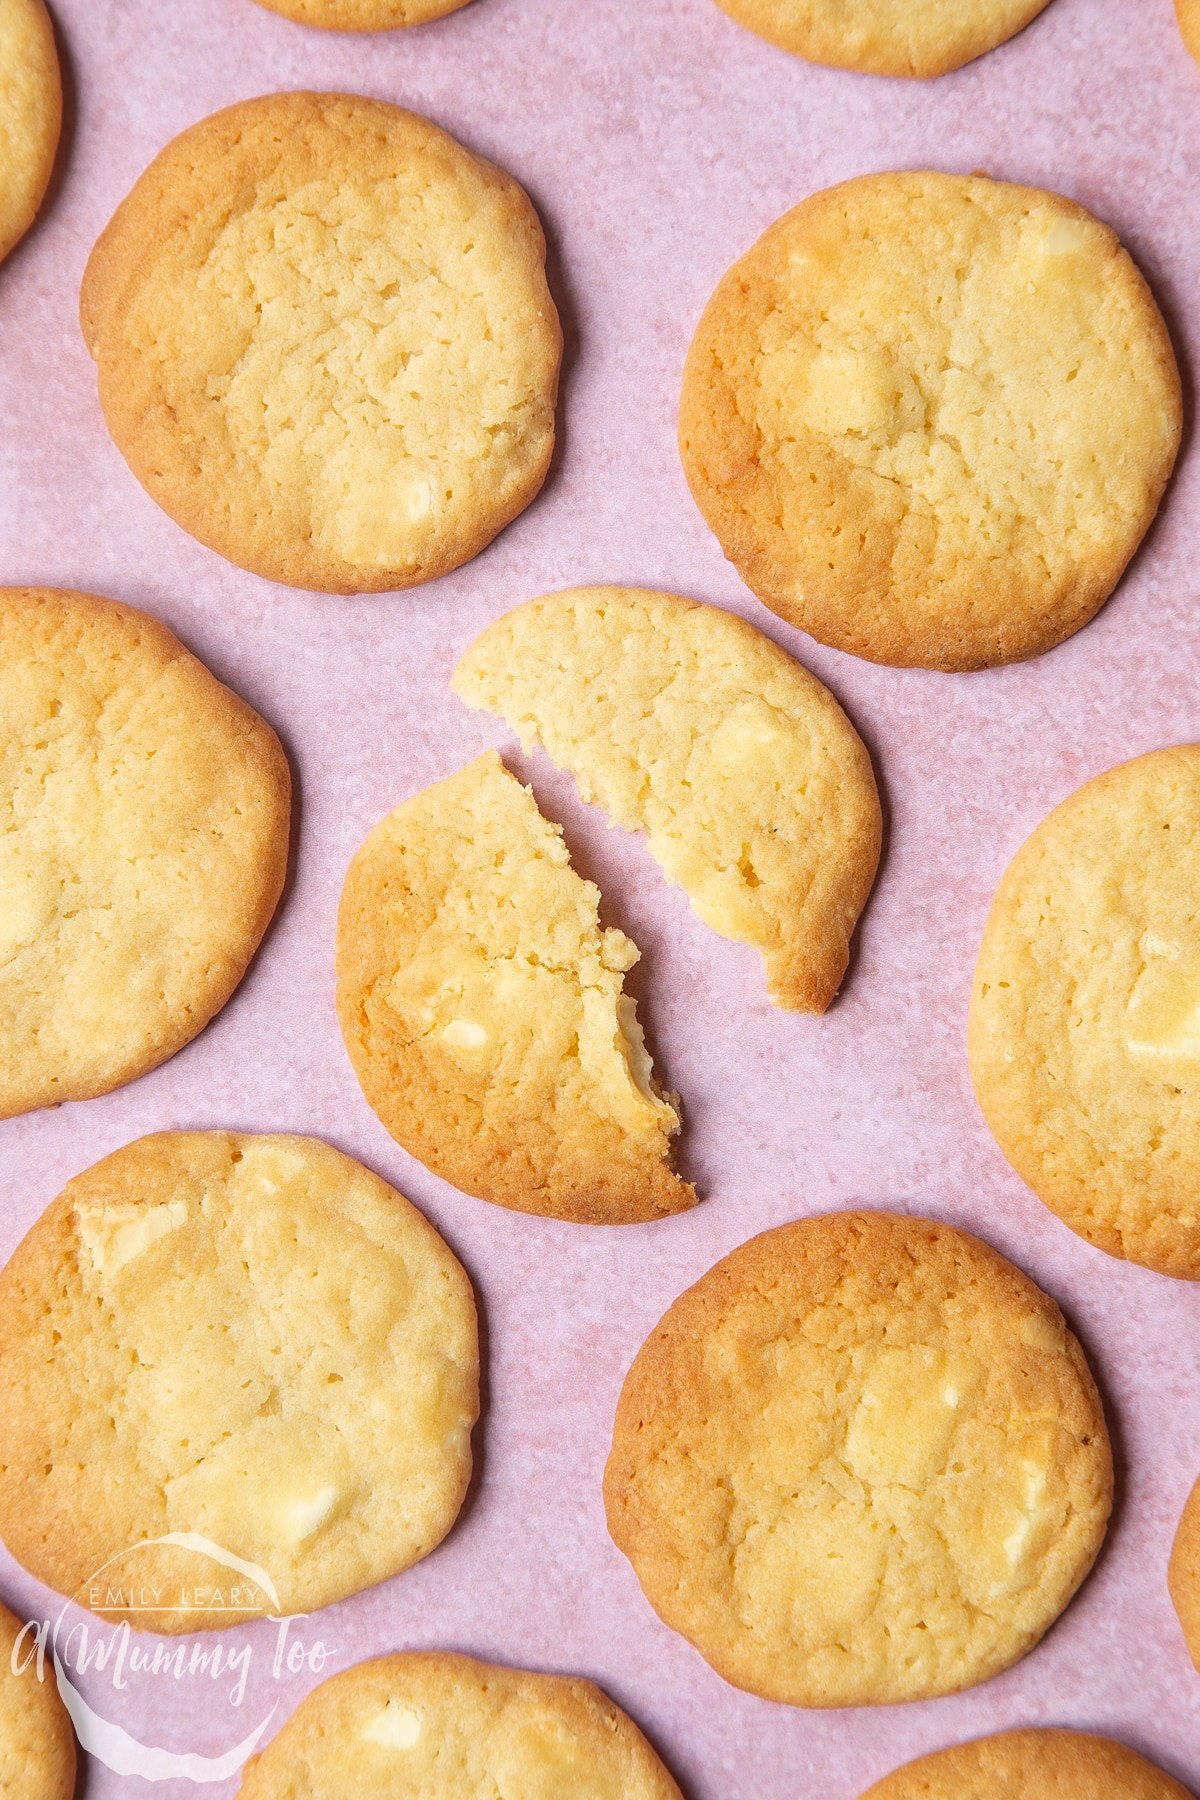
{"points": [[1084, 1032], [886, 37], [443, 1727], [37, 1744], [363, 15], [250, 1339], [30, 114], [861, 1461], [1037, 1764], [483, 1009], [144, 820], [324, 341], [930, 417], [755, 791]]}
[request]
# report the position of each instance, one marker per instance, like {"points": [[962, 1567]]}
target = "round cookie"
{"points": [[929, 418], [482, 1007], [1184, 1574], [432, 1726], [144, 821], [1084, 1033], [861, 1461], [887, 37], [37, 1744], [1031, 1765], [30, 114], [1189, 24], [363, 15], [755, 791], [248, 1341], [325, 343]]}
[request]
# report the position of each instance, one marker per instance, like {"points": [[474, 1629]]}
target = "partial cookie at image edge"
{"points": [[1183, 1577], [38, 1757], [363, 15], [898, 48], [181, 791], [540, 1732], [1038, 1763], [1084, 1066]]}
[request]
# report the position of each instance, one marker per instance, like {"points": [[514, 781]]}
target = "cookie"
{"points": [[37, 1744], [238, 1375], [1188, 12], [754, 789], [887, 37], [362, 15], [446, 1727], [1031, 1765], [930, 417], [144, 819], [1084, 1034], [30, 115], [1184, 1577], [483, 1009], [861, 1461], [325, 342]]}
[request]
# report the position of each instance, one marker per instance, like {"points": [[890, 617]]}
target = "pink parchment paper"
{"points": [[658, 140]]}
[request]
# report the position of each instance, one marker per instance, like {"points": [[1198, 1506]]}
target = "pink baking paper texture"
{"points": [[657, 139]]}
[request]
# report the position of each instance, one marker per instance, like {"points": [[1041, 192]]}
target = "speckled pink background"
{"points": [[657, 139]]}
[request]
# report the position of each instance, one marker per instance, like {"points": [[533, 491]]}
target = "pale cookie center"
{"points": [[907, 1414], [369, 361], [754, 746]]}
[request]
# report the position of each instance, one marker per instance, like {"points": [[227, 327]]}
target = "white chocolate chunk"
{"points": [[396, 1727], [464, 1034], [302, 1515], [1163, 1018], [115, 1235]]}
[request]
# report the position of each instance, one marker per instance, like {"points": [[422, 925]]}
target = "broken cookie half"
{"points": [[484, 1011], [755, 791]]}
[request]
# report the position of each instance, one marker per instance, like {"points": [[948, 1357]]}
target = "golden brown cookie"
{"points": [[930, 417], [362, 15], [1184, 1576], [325, 342], [238, 1375], [1031, 1765], [432, 1726], [862, 1460], [144, 820], [482, 1006], [30, 114], [37, 1744], [1084, 1033], [886, 37], [754, 789], [1189, 24]]}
